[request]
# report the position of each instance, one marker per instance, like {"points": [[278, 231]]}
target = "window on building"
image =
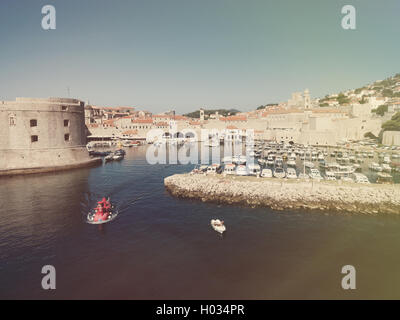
{"points": [[64, 108], [66, 137], [13, 121], [66, 123], [33, 123], [34, 138]]}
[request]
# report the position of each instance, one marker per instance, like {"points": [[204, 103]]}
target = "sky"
{"points": [[160, 55]]}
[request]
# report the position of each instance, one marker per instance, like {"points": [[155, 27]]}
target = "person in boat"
{"points": [[106, 205], [102, 210], [219, 223]]}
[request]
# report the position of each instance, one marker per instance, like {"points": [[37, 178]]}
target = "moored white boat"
{"points": [[291, 173], [241, 170], [230, 169], [266, 173], [279, 173], [218, 225]]}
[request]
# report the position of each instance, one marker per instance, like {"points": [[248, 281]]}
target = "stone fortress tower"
{"points": [[300, 100], [201, 114], [307, 99], [42, 135]]}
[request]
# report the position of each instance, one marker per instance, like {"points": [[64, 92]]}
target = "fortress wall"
{"points": [[59, 127]]}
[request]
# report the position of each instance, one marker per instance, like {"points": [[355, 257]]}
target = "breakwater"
{"points": [[281, 194]]}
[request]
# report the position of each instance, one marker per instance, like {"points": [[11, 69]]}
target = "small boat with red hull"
{"points": [[103, 213]]}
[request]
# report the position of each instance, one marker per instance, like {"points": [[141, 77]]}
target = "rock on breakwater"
{"points": [[280, 194]]}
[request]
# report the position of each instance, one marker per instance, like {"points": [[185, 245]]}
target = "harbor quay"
{"points": [[331, 196]]}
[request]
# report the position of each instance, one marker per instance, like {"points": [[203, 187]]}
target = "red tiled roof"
{"points": [[161, 124], [109, 122], [179, 117], [234, 118], [142, 121], [195, 123], [162, 116], [231, 127]]}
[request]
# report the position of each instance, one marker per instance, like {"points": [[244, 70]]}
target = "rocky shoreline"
{"points": [[282, 194]]}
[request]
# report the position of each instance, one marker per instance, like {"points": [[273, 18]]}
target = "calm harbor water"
{"points": [[160, 247]]}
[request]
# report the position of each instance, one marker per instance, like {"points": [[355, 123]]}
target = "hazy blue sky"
{"points": [[183, 54]]}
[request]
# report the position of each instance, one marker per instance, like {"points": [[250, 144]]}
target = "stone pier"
{"points": [[283, 194]]}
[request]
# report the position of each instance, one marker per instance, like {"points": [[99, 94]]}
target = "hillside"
{"points": [[207, 113]]}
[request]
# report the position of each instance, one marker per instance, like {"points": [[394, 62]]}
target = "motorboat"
{"points": [[261, 162], [109, 158], [386, 160], [103, 213], [239, 159], [291, 173], [279, 173], [266, 173], [229, 168], [218, 225], [375, 167], [117, 157], [241, 170], [120, 151], [314, 174], [360, 178], [344, 171], [127, 144], [253, 169], [214, 168], [278, 161], [346, 179], [308, 164], [270, 160], [304, 176], [330, 175], [384, 178]]}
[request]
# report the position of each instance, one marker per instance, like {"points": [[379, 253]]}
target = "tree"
{"points": [[363, 100], [342, 99], [222, 112], [370, 135], [393, 124], [396, 116], [387, 93], [380, 110]]}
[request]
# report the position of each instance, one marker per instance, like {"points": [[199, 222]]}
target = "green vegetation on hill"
{"points": [[393, 124], [370, 135], [380, 110], [207, 113], [342, 99], [267, 105]]}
